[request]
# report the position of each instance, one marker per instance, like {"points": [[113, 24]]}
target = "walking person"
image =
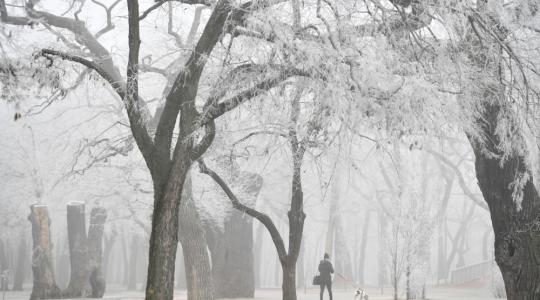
{"points": [[325, 270]]}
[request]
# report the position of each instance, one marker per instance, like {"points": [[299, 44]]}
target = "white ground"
{"points": [[433, 293]]}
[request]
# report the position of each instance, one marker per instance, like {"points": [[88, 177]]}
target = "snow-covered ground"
{"points": [[433, 293]]}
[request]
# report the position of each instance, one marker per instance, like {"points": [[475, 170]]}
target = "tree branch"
{"points": [[108, 12], [216, 109], [263, 218], [461, 179]]}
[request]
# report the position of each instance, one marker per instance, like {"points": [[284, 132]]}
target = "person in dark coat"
{"points": [[325, 270]]}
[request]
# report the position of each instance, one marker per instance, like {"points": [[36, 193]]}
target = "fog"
{"points": [[293, 150]]}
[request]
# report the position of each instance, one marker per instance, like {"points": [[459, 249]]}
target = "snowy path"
{"points": [[433, 293]]}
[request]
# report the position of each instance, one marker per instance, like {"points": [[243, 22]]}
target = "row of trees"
{"points": [[391, 72]]}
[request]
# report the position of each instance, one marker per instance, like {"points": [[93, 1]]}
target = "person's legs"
{"points": [[330, 289], [322, 290]]}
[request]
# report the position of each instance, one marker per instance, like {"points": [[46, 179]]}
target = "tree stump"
{"points": [[44, 285]]}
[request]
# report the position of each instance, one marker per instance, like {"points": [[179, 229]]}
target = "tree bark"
{"points": [[289, 281], [22, 264], [517, 240], [44, 286], [196, 258], [98, 215], [79, 282]]}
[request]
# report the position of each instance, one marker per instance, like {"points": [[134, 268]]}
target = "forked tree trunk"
{"points": [[44, 286], [98, 215], [22, 264], [194, 248], [79, 281]]}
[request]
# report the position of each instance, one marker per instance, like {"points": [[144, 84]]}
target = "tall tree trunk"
{"points": [[79, 282], [194, 247], [44, 286], [109, 242], [133, 258], [125, 260], [3, 266], [232, 248], [98, 215], [517, 246], [363, 248], [381, 255], [22, 264], [232, 257], [164, 234], [289, 281], [300, 272]]}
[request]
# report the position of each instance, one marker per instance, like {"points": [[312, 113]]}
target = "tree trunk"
{"points": [[381, 255], [3, 267], [133, 257], [289, 281], [79, 282], [109, 242], [300, 272], [22, 264], [125, 280], [232, 257], [232, 249], [363, 248], [517, 241], [98, 215], [194, 248], [44, 286]]}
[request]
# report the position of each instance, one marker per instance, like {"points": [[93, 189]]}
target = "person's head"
{"points": [[326, 256]]}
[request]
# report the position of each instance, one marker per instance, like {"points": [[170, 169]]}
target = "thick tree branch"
{"points": [[263, 218], [216, 109], [117, 86]]}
